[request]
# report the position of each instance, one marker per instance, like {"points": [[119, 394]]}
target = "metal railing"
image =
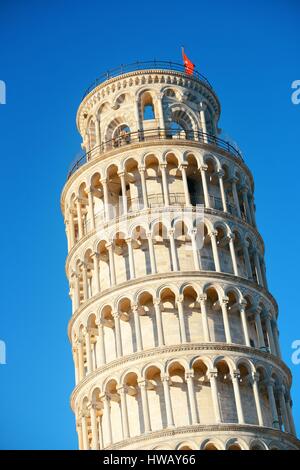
{"points": [[152, 135], [151, 64]]}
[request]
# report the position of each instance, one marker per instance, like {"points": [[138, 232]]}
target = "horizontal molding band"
{"points": [[224, 428]]}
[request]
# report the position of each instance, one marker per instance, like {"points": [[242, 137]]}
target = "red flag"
{"points": [[188, 65]]}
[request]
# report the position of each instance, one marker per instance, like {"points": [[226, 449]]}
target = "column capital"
{"points": [[243, 303], [225, 300], [171, 232], [230, 236], [142, 383], [95, 254], [193, 231], [203, 167], [156, 301], [235, 375], [189, 375], [202, 106], [202, 298], [116, 314], [165, 378], [212, 373], [121, 174], [221, 173], [183, 166], [255, 377], [180, 298], [213, 233], [142, 168], [128, 240], [163, 165]]}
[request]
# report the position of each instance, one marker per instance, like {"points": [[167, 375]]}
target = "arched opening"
{"points": [[134, 404], [147, 320], [161, 243], [108, 323], [226, 394], [156, 399], [170, 319], [127, 326], [147, 106], [224, 250], [192, 315], [214, 316], [178, 392], [115, 411], [234, 318], [153, 181], [183, 244], [203, 392], [246, 393]]}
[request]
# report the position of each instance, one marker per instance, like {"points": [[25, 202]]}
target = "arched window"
{"points": [[147, 106]]}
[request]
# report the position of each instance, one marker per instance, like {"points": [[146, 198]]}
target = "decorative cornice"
{"points": [[264, 432]]}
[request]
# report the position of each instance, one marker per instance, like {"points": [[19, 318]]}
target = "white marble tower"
{"points": [[173, 329]]}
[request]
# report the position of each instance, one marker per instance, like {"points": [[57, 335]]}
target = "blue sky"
{"points": [[49, 54]]}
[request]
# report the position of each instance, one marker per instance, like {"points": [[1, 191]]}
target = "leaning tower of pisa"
{"points": [[173, 329]]}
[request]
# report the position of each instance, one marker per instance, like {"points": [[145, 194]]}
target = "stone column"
{"points": [[214, 247], [160, 111], [203, 121], [276, 339], [145, 405], [173, 249], [163, 168], [230, 236], [236, 389], [213, 374], [270, 388], [85, 439], [222, 190], [125, 423], [185, 184], [203, 170], [142, 170], [260, 335], [244, 320], [80, 359], [189, 376], [167, 396], [179, 302], [290, 416], [105, 199], [76, 290], [160, 334], [91, 208], [79, 219], [193, 235], [245, 246], [258, 270], [106, 407], [111, 261], [116, 316], [72, 230], [255, 380], [85, 281], [101, 356], [131, 258], [98, 132], [76, 365], [224, 303], [124, 196], [246, 204], [94, 426], [79, 433], [137, 328], [202, 300], [88, 350], [151, 253], [95, 258], [270, 333], [68, 235], [137, 115], [283, 409], [235, 197]]}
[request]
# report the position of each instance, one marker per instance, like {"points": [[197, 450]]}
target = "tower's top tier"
{"points": [[146, 95]]}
